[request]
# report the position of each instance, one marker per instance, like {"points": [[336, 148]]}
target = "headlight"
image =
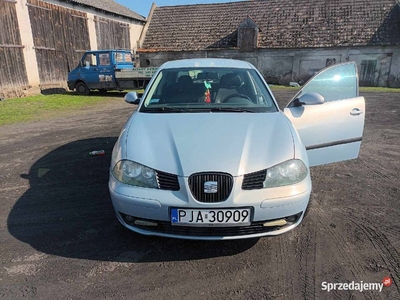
{"points": [[286, 173], [132, 173]]}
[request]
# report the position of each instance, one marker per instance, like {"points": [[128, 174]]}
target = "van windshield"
{"points": [[208, 90]]}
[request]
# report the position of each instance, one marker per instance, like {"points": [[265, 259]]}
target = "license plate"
{"points": [[206, 217]]}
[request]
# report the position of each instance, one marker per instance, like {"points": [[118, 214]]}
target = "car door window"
{"points": [[334, 83], [90, 60], [104, 59]]}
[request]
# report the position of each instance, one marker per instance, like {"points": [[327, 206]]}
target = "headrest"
{"points": [[225, 79], [185, 80], [235, 81], [230, 81]]}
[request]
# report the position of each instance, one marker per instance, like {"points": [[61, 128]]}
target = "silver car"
{"points": [[209, 155]]}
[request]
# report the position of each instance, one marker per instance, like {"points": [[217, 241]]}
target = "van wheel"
{"points": [[82, 89]]}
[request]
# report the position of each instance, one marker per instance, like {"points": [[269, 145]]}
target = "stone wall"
{"points": [[377, 66]]}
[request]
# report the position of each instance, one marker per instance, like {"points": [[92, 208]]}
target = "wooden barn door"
{"points": [[112, 35], [13, 76], [60, 36]]}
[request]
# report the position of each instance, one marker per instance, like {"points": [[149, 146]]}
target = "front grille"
{"points": [[254, 228], [168, 181], [254, 181], [224, 186]]}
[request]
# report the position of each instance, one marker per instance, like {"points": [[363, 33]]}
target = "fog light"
{"points": [[145, 223], [294, 218], [129, 219], [281, 222]]}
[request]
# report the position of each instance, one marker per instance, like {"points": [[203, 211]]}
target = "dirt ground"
{"points": [[60, 239]]}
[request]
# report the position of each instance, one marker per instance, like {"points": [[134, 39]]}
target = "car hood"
{"points": [[186, 143]]}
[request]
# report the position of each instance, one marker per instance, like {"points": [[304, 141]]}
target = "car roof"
{"points": [[207, 62]]}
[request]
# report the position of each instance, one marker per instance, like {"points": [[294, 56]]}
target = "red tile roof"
{"points": [[282, 24]]}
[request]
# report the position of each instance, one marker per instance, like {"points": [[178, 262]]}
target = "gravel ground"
{"points": [[59, 238]]}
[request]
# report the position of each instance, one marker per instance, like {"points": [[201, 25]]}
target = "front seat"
{"points": [[229, 85], [184, 89]]}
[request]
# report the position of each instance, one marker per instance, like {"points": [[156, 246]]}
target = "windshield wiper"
{"points": [[164, 109], [168, 109], [231, 109]]}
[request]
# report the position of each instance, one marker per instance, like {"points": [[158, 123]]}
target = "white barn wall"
{"points": [[280, 66], [92, 31], [27, 41]]}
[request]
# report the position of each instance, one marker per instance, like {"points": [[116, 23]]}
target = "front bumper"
{"points": [[71, 84], [153, 206]]}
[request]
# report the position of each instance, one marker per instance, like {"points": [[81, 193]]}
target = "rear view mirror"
{"points": [[309, 98], [132, 98]]}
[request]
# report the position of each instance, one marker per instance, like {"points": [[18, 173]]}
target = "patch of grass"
{"points": [[362, 89], [379, 89], [43, 106]]}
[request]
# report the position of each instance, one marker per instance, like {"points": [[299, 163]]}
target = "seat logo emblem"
{"points": [[210, 187]]}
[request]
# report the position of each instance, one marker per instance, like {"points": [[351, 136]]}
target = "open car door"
{"points": [[329, 115]]}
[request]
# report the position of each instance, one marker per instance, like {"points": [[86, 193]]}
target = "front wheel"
{"points": [[82, 89]]}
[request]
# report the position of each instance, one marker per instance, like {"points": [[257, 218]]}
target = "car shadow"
{"points": [[67, 212]]}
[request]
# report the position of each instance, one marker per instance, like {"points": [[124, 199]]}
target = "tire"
{"points": [[82, 89]]}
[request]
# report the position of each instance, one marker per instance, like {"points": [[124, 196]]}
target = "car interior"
{"points": [[218, 87], [183, 88]]}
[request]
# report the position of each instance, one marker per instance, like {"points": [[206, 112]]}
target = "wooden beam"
{"points": [[11, 46], [37, 6]]}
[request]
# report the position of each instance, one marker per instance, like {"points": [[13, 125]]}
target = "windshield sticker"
{"points": [[105, 78], [154, 101]]}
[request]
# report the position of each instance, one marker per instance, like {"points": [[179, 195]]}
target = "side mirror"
{"points": [[310, 98], [132, 98]]}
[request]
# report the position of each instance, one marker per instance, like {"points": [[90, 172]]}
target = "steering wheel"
{"points": [[226, 99]]}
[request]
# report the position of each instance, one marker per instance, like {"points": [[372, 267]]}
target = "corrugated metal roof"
{"points": [[110, 6], [282, 24]]}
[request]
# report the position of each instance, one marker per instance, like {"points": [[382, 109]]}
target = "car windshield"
{"points": [[208, 90]]}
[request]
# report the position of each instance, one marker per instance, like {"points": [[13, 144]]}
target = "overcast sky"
{"points": [[142, 7]]}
